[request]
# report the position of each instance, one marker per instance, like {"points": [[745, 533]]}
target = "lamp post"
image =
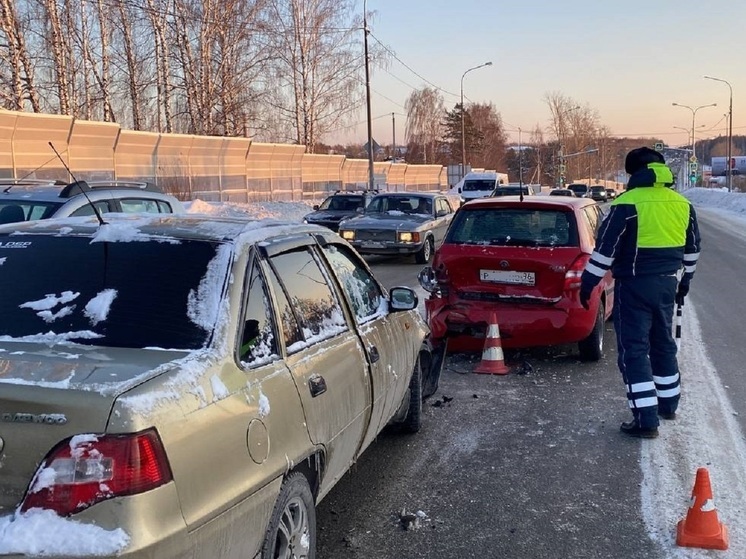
{"points": [[371, 177], [561, 138], [463, 129], [694, 114], [728, 170]]}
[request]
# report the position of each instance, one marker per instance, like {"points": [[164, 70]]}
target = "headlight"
{"points": [[347, 235], [407, 237], [305, 220]]}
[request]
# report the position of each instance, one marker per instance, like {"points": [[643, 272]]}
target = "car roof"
{"points": [[553, 202], [197, 227], [57, 191], [408, 194]]}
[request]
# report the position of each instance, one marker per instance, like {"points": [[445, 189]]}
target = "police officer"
{"points": [[648, 234]]}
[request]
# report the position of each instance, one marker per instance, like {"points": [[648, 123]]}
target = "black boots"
{"points": [[633, 429]]}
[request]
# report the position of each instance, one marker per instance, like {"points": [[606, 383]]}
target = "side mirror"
{"points": [[316, 207], [402, 299], [360, 210], [441, 213], [459, 190]]}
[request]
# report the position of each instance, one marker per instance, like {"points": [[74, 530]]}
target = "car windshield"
{"points": [[598, 189], [514, 227], [115, 294], [14, 211], [342, 203], [578, 188], [401, 205]]}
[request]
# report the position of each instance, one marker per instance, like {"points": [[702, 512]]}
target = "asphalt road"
{"points": [[529, 465], [532, 465]]}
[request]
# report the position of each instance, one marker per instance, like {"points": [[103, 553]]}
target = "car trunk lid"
{"points": [[47, 396], [508, 274]]}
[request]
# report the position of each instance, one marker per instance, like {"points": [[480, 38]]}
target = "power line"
{"points": [[393, 54]]}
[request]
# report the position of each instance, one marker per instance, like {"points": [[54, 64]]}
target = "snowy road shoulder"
{"points": [[704, 434]]}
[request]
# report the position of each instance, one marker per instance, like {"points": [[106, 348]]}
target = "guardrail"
{"points": [[207, 167]]}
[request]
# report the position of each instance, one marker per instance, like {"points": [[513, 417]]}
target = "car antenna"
{"points": [[81, 185], [27, 175]]}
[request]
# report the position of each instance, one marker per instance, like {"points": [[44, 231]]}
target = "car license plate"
{"points": [[508, 276], [371, 244]]}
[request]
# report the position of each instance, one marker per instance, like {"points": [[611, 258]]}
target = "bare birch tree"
{"points": [[21, 82], [316, 68], [424, 129]]}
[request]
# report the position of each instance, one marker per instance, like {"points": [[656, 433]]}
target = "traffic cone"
{"points": [[493, 360], [701, 527]]}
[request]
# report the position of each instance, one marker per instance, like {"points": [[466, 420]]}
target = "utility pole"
{"points": [[371, 177], [393, 137], [728, 169]]}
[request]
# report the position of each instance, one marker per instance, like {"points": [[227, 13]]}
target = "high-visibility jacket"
{"points": [[649, 230]]}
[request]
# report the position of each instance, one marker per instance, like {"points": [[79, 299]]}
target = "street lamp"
{"points": [[728, 171], [694, 113], [463, 132]]}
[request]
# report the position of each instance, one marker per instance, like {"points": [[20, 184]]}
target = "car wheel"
{"points": [[592, 348], [413, 421], [292, 527], [425, 253]]}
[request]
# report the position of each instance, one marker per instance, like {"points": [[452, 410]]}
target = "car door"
{"points": [[323, 352], [389, 338], [443, 217]]}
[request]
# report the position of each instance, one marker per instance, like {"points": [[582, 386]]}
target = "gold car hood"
{"points": [[48, 394]]}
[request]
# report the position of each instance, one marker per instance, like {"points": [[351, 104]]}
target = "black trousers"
{"points": [[643, 317]]}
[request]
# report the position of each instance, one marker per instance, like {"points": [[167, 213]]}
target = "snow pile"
{"points": [[286, 211], [717, 198]]}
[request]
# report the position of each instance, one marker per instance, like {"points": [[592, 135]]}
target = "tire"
{"points": [[413, 421], [291, 533], [426, 252], [592, 348]]}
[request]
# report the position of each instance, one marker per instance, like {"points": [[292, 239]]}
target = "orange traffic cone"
{"points": [[493, 360], [701, 527]]}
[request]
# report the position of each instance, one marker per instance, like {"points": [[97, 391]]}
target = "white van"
{"points": [[478, 185]]}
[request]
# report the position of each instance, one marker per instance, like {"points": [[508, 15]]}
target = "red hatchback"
{"points": [[521, 260]]}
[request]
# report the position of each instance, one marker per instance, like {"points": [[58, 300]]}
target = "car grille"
{"points": [[375, 235]]}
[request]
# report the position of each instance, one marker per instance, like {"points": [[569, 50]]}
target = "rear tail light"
{"points": [[572, 276], [441, 276], [87, 469]]}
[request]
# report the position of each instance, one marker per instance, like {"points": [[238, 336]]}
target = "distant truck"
{"points": [[478, 185]]}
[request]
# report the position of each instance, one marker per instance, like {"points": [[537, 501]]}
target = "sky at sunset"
{"points": [[629, 61]]}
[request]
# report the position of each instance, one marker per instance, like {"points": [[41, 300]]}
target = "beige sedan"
{"points": [[191, 386]]}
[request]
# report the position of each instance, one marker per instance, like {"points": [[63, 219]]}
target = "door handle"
{"points": [[373, 354], [317, 385]]}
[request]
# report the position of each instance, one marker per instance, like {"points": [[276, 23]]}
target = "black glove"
{"points": [[681, 292], [585, 295]]}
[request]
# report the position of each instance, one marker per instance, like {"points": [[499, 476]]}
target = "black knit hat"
{"points": [[639, 158]]}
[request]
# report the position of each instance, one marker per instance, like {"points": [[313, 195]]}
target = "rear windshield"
{"points": [[514, 227], [114, 294], [480, 184], [578, 188], [342, 203], [510, 191]]}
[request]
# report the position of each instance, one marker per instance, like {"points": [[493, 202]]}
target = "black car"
{"points": [[337, 207], [562, 192], [598, 193], [512, 190]]}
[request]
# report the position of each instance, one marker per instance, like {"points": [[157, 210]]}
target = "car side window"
{"points": [[360, 288], [137, 205], [591, 214], [164, 207], [258, 345], [313, 302], [444, 208], [102, 206]]}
